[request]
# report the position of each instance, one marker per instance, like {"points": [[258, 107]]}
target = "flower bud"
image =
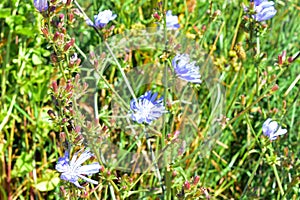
{"points": [[275, 87], [156, 16], [51, 114], [196, 180], [187, 185], [45, 31], [62, 136], [69, 44]]}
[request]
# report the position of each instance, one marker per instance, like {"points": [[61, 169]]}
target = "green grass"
{"points": [[231, 156]]}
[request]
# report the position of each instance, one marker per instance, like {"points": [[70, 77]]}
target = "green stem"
{"points": [[253, 173], [278, 179], [154, 160]]}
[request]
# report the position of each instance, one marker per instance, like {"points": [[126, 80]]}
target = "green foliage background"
{"points": [[29, 140]]}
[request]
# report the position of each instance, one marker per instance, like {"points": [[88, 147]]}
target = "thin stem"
{"points": [[278, 179], [121, 70], [253, 173], [154, 160]]}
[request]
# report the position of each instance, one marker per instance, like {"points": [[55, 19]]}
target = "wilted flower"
{"points": [[72, 170], [171, 21], [41, 5], [146, 108], [102, 19], [185, 69], [271, 129], [264, 10]]}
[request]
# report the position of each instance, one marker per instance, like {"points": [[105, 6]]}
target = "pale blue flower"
{"points": [[146, 108], [72, 170], [41, 5], [171, 21], [185, 69], [264, 10], [272, 130], [102, 19]]}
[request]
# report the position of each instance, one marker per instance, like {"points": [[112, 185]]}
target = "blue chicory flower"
{"points": [[102, 19], [264, 10], [146, 108], [185, 69], [171, 21], [41, 5], [272, 130], [72, 170]]}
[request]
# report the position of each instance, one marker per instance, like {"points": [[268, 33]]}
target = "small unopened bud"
{"points": [[69, 44], [69, 86], [71, 18], [251, 5], [264, 26], [78, 138], [290, 59], [196, 180], [187, 185], [45, 31], [51, 114], [275, 87], [217, 13], [280, 60], [246, 18], [156, 16], [64, 30], [56, 36], [62, 136], [174, 173], [61, 17], [101, 168], [77, 129], [243, 100], [54, 86], [62, 190], [53, 58]]}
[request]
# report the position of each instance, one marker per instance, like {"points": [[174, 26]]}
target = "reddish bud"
{"points": [[64, 30], [64, 120], [196, 180], [54, 86], [71, 17], [290, 59], [280, 61], [53, 58], [56, 36], [51, 114], [156, 16], [69, 44], [45, 31], [62, 136], [61, 17], [62, 190], [275, 87], [78, 138], [174, 173], [187, 185], [77, 129]]}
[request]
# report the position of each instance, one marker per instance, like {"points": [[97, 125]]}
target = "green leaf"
{"points": [[48, 182], [5, 12], [36, 60], [23, 164]]}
